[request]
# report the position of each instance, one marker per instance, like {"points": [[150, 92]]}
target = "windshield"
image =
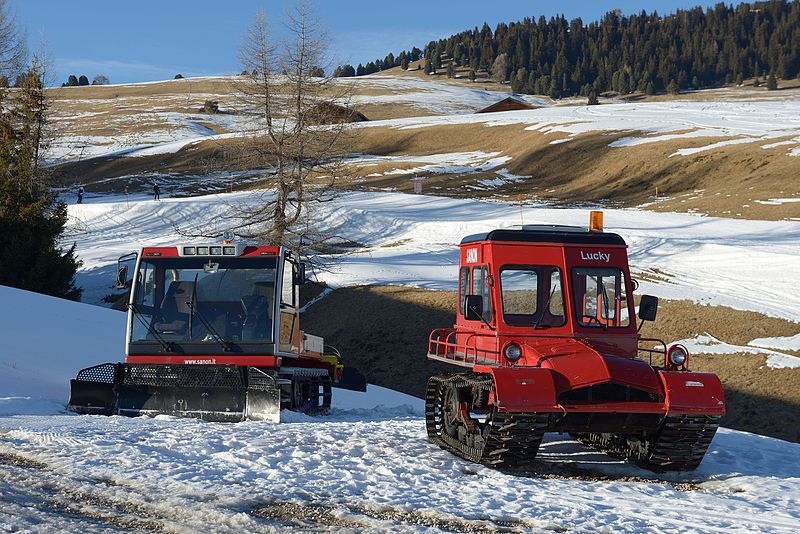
{"points": [[206, 301], [532, 295], [600, 299]]}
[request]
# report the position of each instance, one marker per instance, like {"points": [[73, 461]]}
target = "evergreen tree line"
{"points": [[401, 60], [74, 81], [642, 52], [32, 219]]}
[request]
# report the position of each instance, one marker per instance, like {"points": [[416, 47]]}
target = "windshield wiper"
{"points": [[168, 346], [544, 309], [605, 304], [226, 346]]}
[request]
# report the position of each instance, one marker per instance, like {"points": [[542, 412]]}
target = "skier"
{"points": [[80, 195], [156, 192]]}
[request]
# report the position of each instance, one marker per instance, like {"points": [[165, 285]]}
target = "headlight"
{"points": [[677, 355], [512, 352]]}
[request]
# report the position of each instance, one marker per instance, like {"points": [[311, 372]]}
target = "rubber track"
{"points": [[513, 438], [679, 445]]}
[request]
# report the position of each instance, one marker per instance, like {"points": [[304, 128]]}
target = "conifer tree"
{"points": [[32, 219]]}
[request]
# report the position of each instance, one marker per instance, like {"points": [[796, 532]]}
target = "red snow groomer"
{"points": [[213, 332], [547, 334]]}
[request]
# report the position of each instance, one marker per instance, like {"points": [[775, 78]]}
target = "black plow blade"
{"points": [[214, 393], [351, 379]]}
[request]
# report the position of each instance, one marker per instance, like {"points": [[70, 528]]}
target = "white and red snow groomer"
{"points": [[213, 332]]}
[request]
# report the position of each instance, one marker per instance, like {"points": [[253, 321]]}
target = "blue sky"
{"points": [[142, 40]]}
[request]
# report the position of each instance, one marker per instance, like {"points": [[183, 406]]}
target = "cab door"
{"points": [[287, 321]]}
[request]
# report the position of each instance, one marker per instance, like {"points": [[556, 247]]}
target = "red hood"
{"points": [[576, 365]]}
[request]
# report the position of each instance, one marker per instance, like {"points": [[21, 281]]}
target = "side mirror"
{"points": [[648, 307], [473, 307], [122, 277], [123, 269], [300, 274]]}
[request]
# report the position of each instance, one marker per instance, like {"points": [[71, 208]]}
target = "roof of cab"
{"points": [[544, 233]]}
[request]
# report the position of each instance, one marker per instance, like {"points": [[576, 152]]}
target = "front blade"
{"points": [[351, 379]]}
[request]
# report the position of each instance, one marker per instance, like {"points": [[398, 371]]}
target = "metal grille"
{"points": [[99, 373], [608, 392], [188, 376], [258, 379]]}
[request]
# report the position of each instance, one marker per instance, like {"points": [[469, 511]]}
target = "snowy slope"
{"points": [[47, 340], [410, 239]]}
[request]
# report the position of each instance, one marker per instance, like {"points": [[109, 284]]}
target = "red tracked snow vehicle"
{"points": [[213, 332], [547, 333]]}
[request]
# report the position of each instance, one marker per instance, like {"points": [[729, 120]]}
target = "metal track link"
{"points": [[679, 445], [502, 440]]}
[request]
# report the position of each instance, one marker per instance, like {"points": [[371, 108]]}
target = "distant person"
{"points": [[80, 195], [156, 192]]}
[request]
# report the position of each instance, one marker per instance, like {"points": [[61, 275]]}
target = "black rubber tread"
{"points": [[679, 445], [505, 440]]}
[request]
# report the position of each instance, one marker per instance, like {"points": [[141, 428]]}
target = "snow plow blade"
{"points": [[351, 379], [214, 393]]}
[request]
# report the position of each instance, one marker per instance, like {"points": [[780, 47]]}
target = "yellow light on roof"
{"points": [[596, 221]]}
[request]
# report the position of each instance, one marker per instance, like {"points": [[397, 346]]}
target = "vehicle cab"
{"points": [[215, 303], [525, 292]]}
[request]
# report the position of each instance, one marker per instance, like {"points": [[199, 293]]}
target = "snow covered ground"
{"points": [[367, 466], [741, 122], [411, 240]]}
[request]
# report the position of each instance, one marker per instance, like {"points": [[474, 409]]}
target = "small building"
{"points": [[330, 113], [507, 104]]}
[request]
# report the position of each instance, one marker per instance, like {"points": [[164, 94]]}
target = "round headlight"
{"points": [[512, 352], [677, 355]]}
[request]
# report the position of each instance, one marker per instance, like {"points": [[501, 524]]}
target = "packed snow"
{"points": [[368, 464]]}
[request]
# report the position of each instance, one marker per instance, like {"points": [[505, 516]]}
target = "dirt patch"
{"points": [[313, 515], [304, 516], [10, 458], [383, 331]]}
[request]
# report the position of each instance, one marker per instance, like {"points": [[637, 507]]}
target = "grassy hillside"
{"points": [[698, 159]]}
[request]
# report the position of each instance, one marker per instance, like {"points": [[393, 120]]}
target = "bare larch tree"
{"points": [[300, 134]]}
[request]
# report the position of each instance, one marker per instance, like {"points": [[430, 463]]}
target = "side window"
{"points": [[463, 286], [478, 287], [476, 281], [287, 289], [485, 293]]}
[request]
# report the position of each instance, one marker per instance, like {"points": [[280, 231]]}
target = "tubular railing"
{"points": [[442, 345], [661, 351]]}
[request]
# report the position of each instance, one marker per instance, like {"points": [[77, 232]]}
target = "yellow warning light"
{"points": [[596, 221], [226, 241]]}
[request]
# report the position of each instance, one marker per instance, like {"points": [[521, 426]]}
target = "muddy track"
{"points": [[349, 515]]}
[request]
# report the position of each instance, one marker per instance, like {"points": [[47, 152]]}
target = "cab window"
{"points": [[600, 297], [532, 295]]}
